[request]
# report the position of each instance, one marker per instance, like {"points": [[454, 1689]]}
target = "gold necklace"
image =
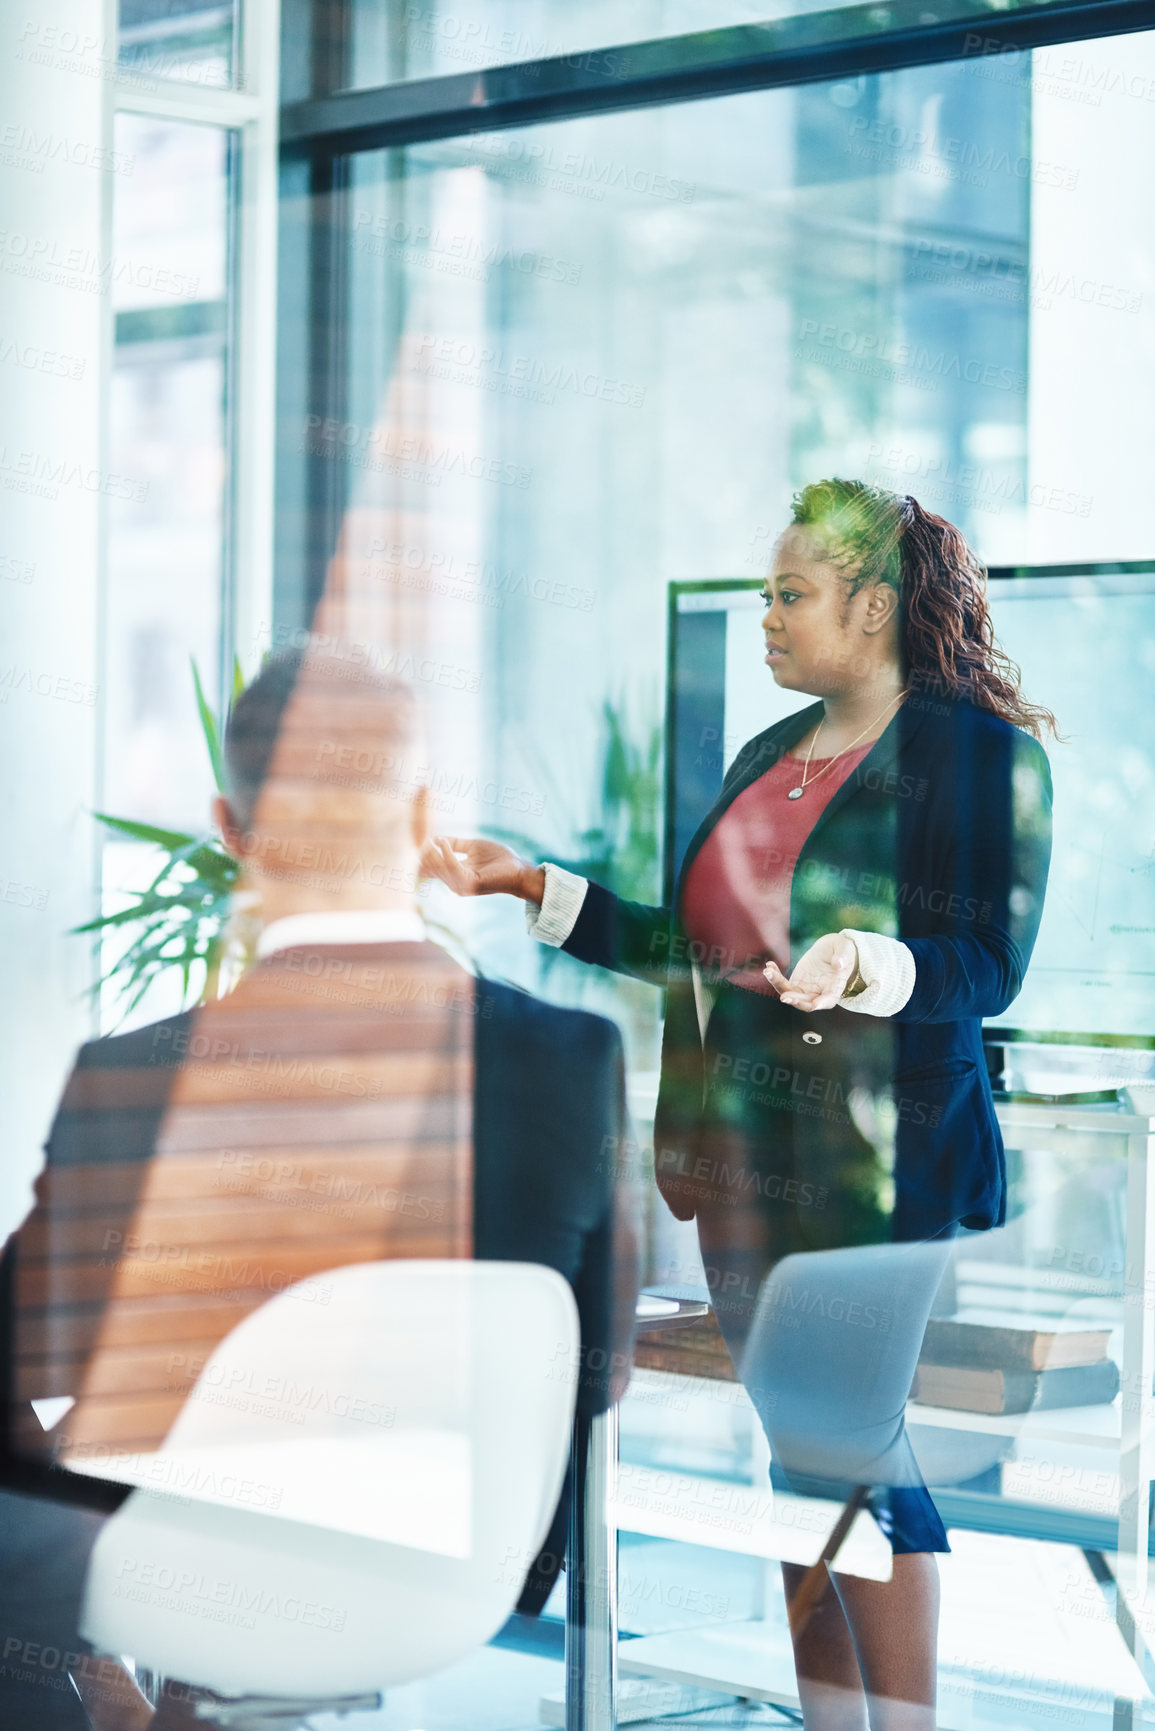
{"points": [[797, 792]]}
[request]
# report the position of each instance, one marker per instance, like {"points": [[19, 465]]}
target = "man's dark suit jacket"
{"points": [[320, 1115]]}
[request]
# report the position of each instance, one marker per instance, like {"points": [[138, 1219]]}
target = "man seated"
{"points": [[357, 1096]]}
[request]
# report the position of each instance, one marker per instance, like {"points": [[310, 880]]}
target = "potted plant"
{"points": [[179, 921], [184, 919]]}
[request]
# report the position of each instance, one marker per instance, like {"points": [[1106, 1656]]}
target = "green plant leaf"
{"points": [[178, 919], [210, 729], [621, 850], [124, 917], [218, 868], [166, 838]]}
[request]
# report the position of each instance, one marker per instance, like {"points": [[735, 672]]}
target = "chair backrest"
{"points": [[356, 1486]]}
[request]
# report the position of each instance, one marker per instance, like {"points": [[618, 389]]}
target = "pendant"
{"points": [[796, 793]]}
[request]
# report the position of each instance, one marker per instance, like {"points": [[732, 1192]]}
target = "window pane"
{"points": [[166, 562], [164, 579], [171, 232], [192, 41], [401, 39], [592, 357]]}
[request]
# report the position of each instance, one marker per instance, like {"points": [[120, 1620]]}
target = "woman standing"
{"points": [[866, 888]]}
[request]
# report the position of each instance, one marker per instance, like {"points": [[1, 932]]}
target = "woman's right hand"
{"points": [[471, 867]]}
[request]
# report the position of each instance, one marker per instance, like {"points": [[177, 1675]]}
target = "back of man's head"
{"points": [[317, 716], [322, 761]]}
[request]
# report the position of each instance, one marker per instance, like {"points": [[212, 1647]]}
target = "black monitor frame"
{"points": [[678, 674]]}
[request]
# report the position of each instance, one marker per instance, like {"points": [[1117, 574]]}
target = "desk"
{"points": [[591, 1624], [591, 1581], [744, 1660]]}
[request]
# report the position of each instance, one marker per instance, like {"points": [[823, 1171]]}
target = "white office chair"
{"points": [[409, 1423]]}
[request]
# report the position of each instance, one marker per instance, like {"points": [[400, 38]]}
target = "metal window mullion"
{"points": [[844, 43], [250, 112], [106, 363], [254, 341], [232, 504], [327, 350], [190, 103]]}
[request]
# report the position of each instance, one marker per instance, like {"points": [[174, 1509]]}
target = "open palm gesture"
{"points": [[471, 867], [820, 976]]}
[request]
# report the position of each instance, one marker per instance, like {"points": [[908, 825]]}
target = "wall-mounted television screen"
{"points": [[1084, 637]]}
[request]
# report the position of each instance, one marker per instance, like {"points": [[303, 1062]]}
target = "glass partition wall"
{"points": [[570, 302], [578, 361], [555, 367], [534, 317], [586, 359]]}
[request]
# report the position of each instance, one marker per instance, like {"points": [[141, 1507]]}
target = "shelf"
{"points": [[751, 1520], [1028, 1640], [1090, 1426], [1088, 1119], [1097, 1426]]}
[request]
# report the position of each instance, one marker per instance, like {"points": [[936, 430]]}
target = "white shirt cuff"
{"points": [[561, 904], [887, 966]]}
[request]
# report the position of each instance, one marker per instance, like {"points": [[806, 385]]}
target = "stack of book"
{"points": [[693, 1349], [994, 1368]]}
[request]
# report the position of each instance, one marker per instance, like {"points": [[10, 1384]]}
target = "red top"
{"points": [[736, 899]]}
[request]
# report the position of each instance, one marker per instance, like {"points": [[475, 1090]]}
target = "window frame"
{"points": [[250, 113], [321, 119], [323, 125]]}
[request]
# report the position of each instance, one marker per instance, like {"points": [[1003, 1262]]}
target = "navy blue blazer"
{"points": [[548, 1129], [940, 837]]}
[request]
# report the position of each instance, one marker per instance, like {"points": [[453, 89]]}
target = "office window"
{"points": [[568, 364], [189, 41], [402, 39], [543, 392], [588, 358], [167, 534]]}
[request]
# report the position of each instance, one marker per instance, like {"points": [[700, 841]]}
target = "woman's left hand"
{"points": [[821, 975]]}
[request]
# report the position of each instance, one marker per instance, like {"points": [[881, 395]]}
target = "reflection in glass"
{"points": [[189, 41], [584, 359], [166, 562], [394, 40]]}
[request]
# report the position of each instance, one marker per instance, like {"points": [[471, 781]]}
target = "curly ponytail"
{"points": [[948, 641]]}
